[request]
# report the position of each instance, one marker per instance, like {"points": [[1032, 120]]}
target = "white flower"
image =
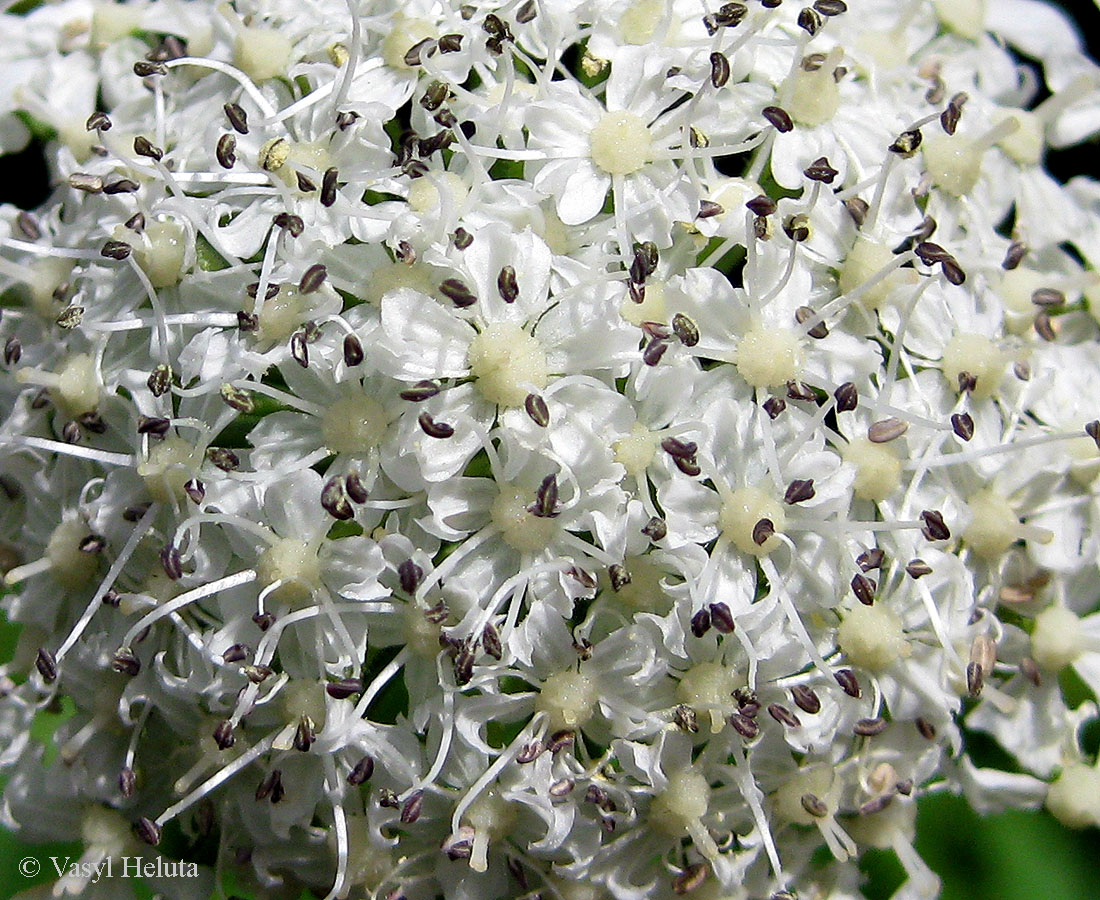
{"points": [[600, 450]]}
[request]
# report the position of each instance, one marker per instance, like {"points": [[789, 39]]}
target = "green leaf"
{"points": [[40, 131], [25, 6], [344, 529], [506, 168], [209, 259]]}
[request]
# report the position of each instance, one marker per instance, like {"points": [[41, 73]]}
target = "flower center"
{"points": [[491, 813], [508, 364], [883, 829], [519, 528], [112, 22], [740, 514], [491, 817], [424, 195], [651, 309], [864, 261], [872, 637], [421, 634], [953, 163], [262, 53], [312, 155], [964, 17], [708, 687], [160, 253], [294, 563], [105, 830], [168, 468], [74, 134], [788, 799], [993, 525], [406, 34], [639, 22], [816, 95], [882, 48], [769, 357], [1015, 290], [285, 158], [644, 592], [45, 276], [273, 155], [636, 452], [679, 810], [70, 566], [303, 697], [1086, 462], [1025, 144], [979, 357], [280, 315], [568, 698], [620, 143], [156, 585], [396, 275], [878, 469], [558, 236], [682, 803], [368, 864], [354, 425], [1056, 640], [74, 387], [78, 387]]}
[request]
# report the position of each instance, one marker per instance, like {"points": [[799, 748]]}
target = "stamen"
{"points": [[223, 775], [778, 587], [28, 570], [969, 456], [140, 530], [537, 724], [199, 593]]}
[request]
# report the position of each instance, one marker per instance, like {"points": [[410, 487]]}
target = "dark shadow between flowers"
{"points": [[24, 178]]}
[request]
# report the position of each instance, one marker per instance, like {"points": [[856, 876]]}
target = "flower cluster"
{"points": [[571, 449]]}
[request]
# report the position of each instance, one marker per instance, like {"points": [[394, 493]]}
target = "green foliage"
{"points": [[40, 131], [392, 701], [1016, 855], [506, 168], [209, 259]]}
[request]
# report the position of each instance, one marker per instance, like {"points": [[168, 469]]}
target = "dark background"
{"points": [[1082, 159]]}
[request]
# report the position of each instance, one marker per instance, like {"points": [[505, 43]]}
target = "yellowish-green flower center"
{"points": [[508, 364], [354, 425], [620, 144], [742, 511]]}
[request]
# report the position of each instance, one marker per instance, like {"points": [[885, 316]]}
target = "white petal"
{"points": [[583, 194]]}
